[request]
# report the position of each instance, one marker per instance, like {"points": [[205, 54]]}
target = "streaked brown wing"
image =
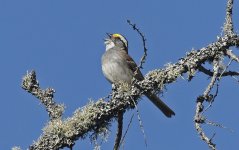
{"points": [[133, 66]]}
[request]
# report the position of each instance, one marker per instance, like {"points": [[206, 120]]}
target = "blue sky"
{"points": [[63, 42]]}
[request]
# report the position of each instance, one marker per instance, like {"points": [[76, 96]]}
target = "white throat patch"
{"points": [[109, 44]]}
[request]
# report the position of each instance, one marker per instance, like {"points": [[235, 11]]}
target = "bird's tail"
{"points": [[160, 104]]}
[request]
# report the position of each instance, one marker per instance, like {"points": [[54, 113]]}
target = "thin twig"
{"points": [[237, 80], [213, 80], [229, 63], [204, 137], [199, 112], [129, 124], [140, 123], [198, 118], [143, 58], [219, 78], [213, 98], [217, 125], [217, 89]]}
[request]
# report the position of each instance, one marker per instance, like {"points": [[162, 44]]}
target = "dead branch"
{"points": [[31, 85], [96, 117]]}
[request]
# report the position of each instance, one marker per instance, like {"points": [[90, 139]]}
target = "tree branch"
{"points": [[96, 116], [210, 73], [228, 25], [198, 118], [31, 85]]}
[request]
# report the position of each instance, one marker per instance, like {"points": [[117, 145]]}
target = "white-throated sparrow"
{"points": [[118, 66]]}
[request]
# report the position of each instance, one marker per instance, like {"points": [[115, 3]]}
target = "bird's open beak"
{"points": [[107, 39], [109, 35]]}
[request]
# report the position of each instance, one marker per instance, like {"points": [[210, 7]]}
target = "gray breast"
{"points": [[115, 68]]}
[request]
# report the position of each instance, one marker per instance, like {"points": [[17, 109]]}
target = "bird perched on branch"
{"points": [[118, 66]]}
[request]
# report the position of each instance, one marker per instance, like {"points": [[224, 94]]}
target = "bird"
{"points": [[118, 66]]}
